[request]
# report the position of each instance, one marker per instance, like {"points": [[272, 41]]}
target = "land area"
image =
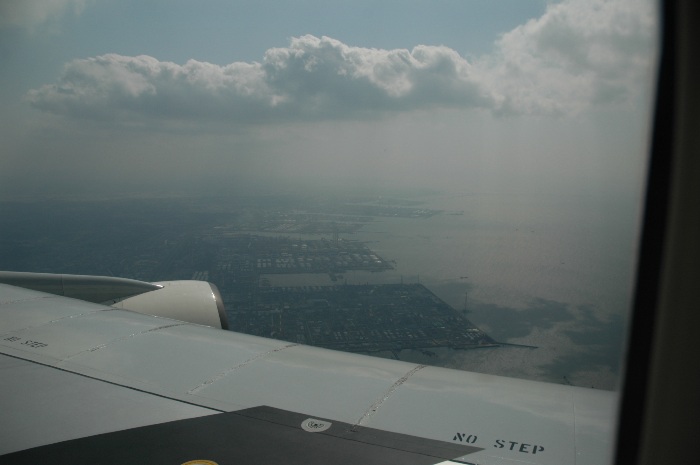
{"points": [[241, 246], [360, 318]]}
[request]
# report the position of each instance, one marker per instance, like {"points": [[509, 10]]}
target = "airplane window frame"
{"points": [[659, 402]]}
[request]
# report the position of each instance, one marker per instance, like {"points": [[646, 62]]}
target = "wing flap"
{"points": [[257, 435]]}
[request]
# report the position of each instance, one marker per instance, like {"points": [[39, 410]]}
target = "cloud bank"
{"points": [[579, 53], [313, 78]]}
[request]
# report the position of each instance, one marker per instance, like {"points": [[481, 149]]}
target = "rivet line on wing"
{"points": [[226, 372], [375, 406], [78, 315], [123, 338], [56, 320], [29, 299]]}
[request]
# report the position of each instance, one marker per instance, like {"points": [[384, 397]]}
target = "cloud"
{"points": [[324, 76], [312, 78], [114, 86], [579, 53], [32, 13]]}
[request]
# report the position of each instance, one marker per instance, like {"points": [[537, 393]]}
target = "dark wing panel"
{"points": [[254, 436]]}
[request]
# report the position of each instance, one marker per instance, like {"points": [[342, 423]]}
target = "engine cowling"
{"points": [[196, 302]]}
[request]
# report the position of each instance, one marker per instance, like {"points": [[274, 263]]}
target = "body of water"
{"points": [[553, 273]]}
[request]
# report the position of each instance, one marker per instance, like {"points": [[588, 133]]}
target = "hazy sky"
{"points": [[515, 95]]}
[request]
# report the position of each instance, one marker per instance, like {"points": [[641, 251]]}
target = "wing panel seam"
{"points": [[375, 406], [228, 371], [114, 383], [56, 320], [28, 299], [122, 338]]}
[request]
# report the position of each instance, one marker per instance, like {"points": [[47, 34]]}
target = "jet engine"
{"points": [[192, 301], [196, 302]]}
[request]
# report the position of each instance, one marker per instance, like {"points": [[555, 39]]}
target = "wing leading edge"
{"points": [[73, 369]]}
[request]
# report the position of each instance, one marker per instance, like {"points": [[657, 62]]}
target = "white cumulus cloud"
{"points": [[577, 54], [114, 86], [324, 76], [312, 78]]}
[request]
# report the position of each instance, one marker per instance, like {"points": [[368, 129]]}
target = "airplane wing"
{"points": [[89, 383]]}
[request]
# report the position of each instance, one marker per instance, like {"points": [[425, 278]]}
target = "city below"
{"points": [[274, 282], [359, 318]]}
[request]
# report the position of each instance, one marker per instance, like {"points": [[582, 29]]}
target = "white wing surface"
{"points": [[89, 383]]}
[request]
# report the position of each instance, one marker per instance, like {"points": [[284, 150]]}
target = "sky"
{"points": [[161, 96]]}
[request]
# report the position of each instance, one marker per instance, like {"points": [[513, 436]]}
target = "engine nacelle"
{"points": [[196, 302], [192, 301]]}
